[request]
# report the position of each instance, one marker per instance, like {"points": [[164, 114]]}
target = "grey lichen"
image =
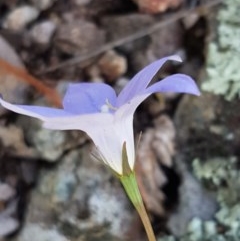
{"points": [[223, 58], [221, 176]]}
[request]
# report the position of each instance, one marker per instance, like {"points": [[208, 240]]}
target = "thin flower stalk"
{"points": [[131, 187]]}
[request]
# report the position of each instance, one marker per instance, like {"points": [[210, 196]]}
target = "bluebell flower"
{"points": [[107, 118]]}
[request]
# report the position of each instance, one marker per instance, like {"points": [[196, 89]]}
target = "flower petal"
{"points": [[141, 80], [109, 141], [84, 123], [107, 132], [85, 98], [177, 83], [128, 109], [35, 111]]}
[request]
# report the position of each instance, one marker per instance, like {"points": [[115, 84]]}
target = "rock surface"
{"points": [[40, 234], [76, 198], [79, 37], [195, 202], [49, 144], [127, 24], [43, 4]]}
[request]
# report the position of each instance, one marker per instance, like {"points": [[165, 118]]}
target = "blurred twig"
{"points": [[139, 34], [23, 75]]}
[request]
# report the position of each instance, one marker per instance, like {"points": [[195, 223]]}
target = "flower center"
{"points": [[104, 108], [107, 107]]}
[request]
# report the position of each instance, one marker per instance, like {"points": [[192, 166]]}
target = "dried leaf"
{"points": [[163, 142], [156, 147]]}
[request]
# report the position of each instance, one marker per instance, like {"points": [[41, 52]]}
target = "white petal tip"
{"points": [[175, 58]]}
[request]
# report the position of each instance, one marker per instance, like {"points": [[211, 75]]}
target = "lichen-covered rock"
{"points": [[223, 55], [195, 202], [78, 198], [222, 176], [212, 129], [40, 233], [106, 208], [211, 136], [49, 144]]}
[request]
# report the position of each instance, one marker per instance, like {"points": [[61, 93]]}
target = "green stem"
{"points": [[130, 185]]}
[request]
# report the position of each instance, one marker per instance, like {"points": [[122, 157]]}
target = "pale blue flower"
{"points": [[108, 119]]}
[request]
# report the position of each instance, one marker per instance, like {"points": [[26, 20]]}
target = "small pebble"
{"points": [[79, 37], [18, 19], [6, 192], [190, 20], [7, 226], [42, 33], [112, 65]]}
